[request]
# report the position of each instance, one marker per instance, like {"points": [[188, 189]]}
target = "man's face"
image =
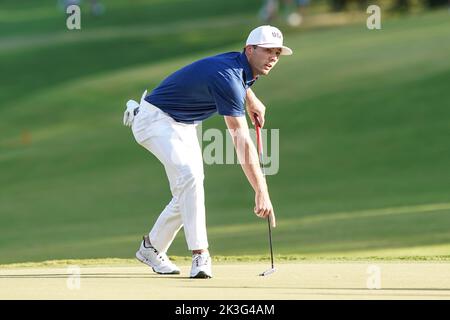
{"points": [[262, 60]]}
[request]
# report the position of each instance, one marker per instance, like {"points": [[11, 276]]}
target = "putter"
{"points": [[260, 154]]}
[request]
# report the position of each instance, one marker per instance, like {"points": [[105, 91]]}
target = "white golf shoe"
{"points": [[158, 261], [201, 266]]}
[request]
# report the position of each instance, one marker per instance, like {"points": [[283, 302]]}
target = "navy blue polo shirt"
{"points": [[197, 91]]}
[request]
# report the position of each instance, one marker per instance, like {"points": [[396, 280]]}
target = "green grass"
{"points": [[184, 260], [363, 121], [32, 18]]}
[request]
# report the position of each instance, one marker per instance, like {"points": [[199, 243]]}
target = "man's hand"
{"points": [[263, 207], [255, 107]]}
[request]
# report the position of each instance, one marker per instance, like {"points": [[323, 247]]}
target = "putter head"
{"points": [[267, 272]]}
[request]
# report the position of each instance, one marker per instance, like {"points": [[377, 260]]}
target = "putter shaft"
{"points": [[270, 241], [260, 154]]}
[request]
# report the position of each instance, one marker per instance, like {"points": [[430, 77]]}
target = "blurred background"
{"points": [[364, 120]]}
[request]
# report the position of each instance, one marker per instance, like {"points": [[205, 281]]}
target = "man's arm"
{"points": [[248, 157], [255, 106]]}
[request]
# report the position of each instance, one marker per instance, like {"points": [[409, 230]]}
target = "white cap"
{"points": [[268, 37]]}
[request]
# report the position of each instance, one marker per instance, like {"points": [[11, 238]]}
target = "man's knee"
{"points": [[173, 205], [189, 176]]}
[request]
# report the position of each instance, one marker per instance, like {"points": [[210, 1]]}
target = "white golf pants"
{"points": [[176, 146]]}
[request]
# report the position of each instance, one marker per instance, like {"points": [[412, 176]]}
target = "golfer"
{"points": [[165, 121]]}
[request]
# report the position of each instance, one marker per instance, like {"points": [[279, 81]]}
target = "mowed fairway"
{"points": [[292, 280]]}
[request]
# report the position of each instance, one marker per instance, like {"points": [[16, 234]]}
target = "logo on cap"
{"points": [[276, 34]]}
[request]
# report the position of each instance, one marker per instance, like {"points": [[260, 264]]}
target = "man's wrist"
{"points": [[261, 189]]}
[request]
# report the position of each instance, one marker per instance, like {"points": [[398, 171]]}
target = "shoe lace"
{"points": [[163, 257], [200, 260], [196, 260], [160, 256]]}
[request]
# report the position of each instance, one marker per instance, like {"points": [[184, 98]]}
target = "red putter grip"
{"points": [[258, 134]]}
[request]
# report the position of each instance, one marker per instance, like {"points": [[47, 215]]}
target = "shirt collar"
{"points": [[248, 74]]}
